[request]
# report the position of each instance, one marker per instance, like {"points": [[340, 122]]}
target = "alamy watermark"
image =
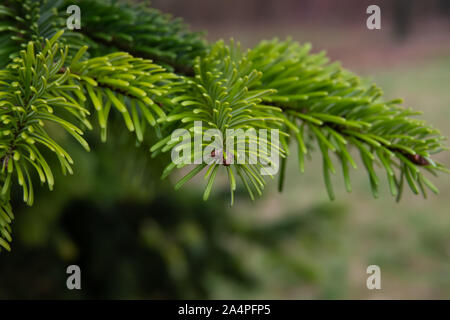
{"points": [[73, 281], [74, 20], [233, 146], [374, 20], [374, 280]]}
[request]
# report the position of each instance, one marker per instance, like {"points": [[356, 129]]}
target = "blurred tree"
{"points": [[402, 15]]}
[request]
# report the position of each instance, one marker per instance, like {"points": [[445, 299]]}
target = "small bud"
{"points": [[418, 159]]}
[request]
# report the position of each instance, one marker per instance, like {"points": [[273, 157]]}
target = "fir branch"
{"points": [[144, 32], [219, 98], [30, 96], [340, 110], [37, 86], [276, 85], [134, 86]]}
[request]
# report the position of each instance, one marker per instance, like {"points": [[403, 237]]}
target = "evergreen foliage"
{"points": [[160, 76]]}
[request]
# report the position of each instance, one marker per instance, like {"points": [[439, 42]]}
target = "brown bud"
{"points": [[216, 154], [418, 159], [228, 160]]}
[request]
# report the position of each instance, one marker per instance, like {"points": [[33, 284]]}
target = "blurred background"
{"points": [[134, 237]]}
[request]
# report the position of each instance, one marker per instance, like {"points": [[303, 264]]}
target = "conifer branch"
{"points": [[58, 77]]}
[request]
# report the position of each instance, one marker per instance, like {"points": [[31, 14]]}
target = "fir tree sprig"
{"points": [[339, 110], [61, 78], [110, 26], [218, 96], [32, 94], [23, 21], [133, 86], [41, 87]]}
